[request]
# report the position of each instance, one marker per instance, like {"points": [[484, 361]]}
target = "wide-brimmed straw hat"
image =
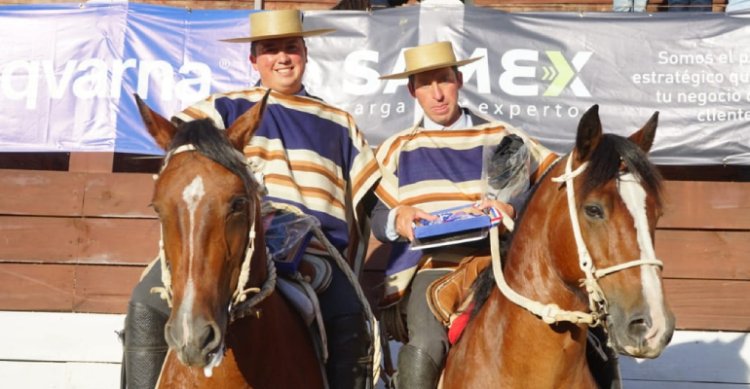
{"points": [[429, 57], [277, 24]]}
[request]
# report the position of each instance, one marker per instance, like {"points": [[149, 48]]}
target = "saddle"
{"points": [[301, 289], [450, 295], [312, 278]]}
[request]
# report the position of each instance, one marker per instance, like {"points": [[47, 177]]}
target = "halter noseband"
{"points": [[240, 306], [551, 313]]}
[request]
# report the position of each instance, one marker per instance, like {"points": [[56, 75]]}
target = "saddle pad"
{"points": [[299, 299], [316, 271]]}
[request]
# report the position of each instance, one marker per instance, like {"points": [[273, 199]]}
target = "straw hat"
{"points": [[277, 24], [429, 57]]}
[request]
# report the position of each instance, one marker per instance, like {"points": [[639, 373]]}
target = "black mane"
{"points": [[604, 166], [213, 144], [605, 162]]}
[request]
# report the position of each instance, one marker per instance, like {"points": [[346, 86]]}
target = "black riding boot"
{"points": [[606, 371], [144, 347], [416, 369], [349, 363]]}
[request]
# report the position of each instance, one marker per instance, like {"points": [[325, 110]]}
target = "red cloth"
{"points": [[458, 325]]}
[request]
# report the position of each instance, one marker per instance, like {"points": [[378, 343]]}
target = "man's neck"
{"points": [[300, 92], [461, 121]]}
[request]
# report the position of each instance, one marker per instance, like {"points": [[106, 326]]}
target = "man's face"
{"points": [[281, 63], [437, 93]]}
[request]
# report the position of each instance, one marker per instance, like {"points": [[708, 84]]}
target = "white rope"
{"points": [[240, 294], [269, 285], [165, 291], [638, 262], [549, 313]]}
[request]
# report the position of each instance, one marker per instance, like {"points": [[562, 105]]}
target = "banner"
{"points": [[68, 72], [71, 88]]}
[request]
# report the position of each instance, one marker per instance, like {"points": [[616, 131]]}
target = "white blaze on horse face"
{"points": [[192, 195], [186, 310], [634, 196]]}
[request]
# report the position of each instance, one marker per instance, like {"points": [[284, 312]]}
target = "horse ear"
{"points": [[589, 133], [240, 132], [644, 137], [161, 129]]}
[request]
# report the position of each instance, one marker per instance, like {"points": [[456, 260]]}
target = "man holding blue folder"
{"points": [[435, 165]]}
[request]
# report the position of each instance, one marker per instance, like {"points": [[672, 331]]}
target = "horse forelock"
{"points": [[607, 160], [211, 142]]}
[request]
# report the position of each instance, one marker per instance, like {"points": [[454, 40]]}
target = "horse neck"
{"points": [[542, 242]]}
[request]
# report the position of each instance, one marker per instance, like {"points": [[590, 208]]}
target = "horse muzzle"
{"points": [[640, 335], [195, 340]]}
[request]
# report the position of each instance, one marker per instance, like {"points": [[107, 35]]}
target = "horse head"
{"points": [[614, 201], [208, 204]]}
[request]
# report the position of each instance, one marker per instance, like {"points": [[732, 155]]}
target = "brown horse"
{"points": [[228, 327], [582, 255]]}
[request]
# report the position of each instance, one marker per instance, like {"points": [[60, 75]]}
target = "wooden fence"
{"points": [[76, 240]]}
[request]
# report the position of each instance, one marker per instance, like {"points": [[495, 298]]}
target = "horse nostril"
{"points": [[211, 337], [638, 327]]}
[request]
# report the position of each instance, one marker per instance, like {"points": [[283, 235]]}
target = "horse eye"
{"points": [[594, 211], [239, 204]]}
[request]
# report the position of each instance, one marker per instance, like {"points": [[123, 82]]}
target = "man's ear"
{"points": [[459, 78]]}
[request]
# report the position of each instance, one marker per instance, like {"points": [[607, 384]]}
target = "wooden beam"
{"points": [[37, 192], [119, 195], [91, 162], [709, 304], [707, 205], [78, 240], [67, 288], [717, 255]]}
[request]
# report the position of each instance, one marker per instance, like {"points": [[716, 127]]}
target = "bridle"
{"points": [[239, 306], [551, 313]]}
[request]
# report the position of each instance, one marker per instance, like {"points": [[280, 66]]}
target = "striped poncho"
{"points": [[311, 155], [434, 170]]}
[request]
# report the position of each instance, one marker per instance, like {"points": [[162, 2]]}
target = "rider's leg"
{"points": [[144, 347], [606, 371], [349, 363], [421, 360]]}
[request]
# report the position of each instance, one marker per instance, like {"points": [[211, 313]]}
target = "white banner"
{"points": [[67, 73]]}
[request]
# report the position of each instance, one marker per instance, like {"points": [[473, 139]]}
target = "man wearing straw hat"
{"points": [[409, 191], [309, 155], [434, 165]]}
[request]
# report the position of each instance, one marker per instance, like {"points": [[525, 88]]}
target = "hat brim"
{"points": [[406, 74], [301, 34]]}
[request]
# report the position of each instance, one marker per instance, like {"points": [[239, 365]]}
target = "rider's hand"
{"points": [[499, 205], [406, 216]]}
